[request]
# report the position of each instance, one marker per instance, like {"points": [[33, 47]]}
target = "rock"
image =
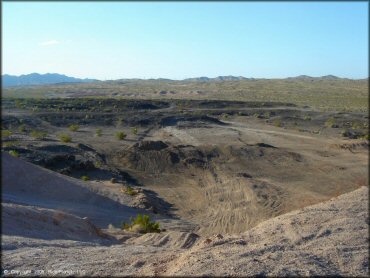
{"points": [[219, 236], [151, 145], [113, 180]]}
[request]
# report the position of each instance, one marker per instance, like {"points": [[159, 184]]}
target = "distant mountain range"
{"points": [[40, 79], [218, 78], [54, 78], [325, 77]]}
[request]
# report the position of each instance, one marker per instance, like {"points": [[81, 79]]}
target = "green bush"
{"points": [[120, 135], [14, 153], [22, 128], [11, 143], [266, 115], [130, 191], [38, 134], [5, 133], [144, 224], [74, 128], [356, 125], [98, 132], [65, 138], [85, 178], [330, 122], [134, 130], [277, 123], [307, 118], [18, 103], [119, 121]]}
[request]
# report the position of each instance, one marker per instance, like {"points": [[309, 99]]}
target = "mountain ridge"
{"points": [[40, 79], [55, 78]]}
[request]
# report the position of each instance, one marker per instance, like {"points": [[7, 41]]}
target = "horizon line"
{"points": [[194, 77]]}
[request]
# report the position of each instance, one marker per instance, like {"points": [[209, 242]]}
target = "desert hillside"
{"points": [[45, 227]]}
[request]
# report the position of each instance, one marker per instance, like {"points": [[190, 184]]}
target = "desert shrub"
{"points": [[330, 122], [18, 103], [352, 134], [11, 143], [119, 121], [144, 223], [38, 134], [14, 153], [22, 128], [134, 130], [307, 118], [130, 191], [356, 125], [65, 138], [74, 127], [277, 123], [266, 115], [120, 135], [85, 178], [5, 133], [98, 132]]}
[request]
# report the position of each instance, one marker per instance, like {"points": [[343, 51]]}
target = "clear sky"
{"points": [[185, 39]]}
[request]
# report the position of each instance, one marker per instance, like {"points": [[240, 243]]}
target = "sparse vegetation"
{"points": [[85, 178], [266, 115], [130, 191], [5, 133], [11, 143], [98, 132], [65, 138], [277, 122], [120, 135], [141, 224], [134, 130], [330, 122], [22, 128], [14, 153], [325, 95], [356, 125], [119, 121], [74, 127], [38, 134]]}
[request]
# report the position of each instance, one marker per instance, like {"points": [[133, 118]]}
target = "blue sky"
{"points": [[179, 40]]}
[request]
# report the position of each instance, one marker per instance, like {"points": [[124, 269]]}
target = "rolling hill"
{"points": [[40, 79]]}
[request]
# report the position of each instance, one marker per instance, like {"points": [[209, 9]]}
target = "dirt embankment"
{"points": [[226, 185]]}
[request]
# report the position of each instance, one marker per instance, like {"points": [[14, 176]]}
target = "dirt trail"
{"points": [[246, 184]]}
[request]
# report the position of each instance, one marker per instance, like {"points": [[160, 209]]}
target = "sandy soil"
{"points": [[245, 182], [235, 194], [330, 238]]}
